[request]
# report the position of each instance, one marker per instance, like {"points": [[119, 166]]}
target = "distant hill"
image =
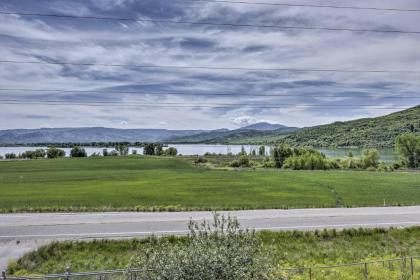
{"points": [[89, 134], [257, 133], [263, 126], [369, 132]]}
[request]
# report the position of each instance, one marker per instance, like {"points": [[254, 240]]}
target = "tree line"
{"points": [[283, 156], [120, 149]]}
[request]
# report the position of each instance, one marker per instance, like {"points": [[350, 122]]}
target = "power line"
{"points": [[210, 23], [190, 105], [355, 95], [305, 5], [213, 68]]}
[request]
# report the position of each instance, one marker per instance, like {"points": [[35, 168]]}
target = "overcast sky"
{"points": [[148, 43]]}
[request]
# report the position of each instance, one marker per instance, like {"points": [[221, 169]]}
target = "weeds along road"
{"points": [[20, 233]]}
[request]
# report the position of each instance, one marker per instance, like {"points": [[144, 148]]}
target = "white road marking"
{"points": [[134, 233]]}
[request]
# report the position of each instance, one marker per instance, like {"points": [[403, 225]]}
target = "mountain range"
{"points": [[103, 134], [367, 132]]}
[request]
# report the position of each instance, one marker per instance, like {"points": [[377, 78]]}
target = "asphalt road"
{"points": [[23, 232]]}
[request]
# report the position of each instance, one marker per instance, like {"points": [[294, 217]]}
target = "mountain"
{"points": [[89, 134], [244, 135], [103, 134], [263, 126], [368, 132]]}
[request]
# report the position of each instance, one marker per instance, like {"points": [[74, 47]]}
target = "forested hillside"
{"points": [[370, 132]]}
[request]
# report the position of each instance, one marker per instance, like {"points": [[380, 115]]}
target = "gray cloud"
{"points": [[49, 39]]}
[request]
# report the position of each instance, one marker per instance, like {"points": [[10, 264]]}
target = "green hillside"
{"points": [[369, 132], [237, 136]]}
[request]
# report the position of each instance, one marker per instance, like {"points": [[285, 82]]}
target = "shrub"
{"points": [[309, 160], [268, 163], [408, 146], [200, 159], [370, 158], [280, 154], [78, 152], [212, 251], [171, 151], [385, 167], [10, 156], [243, 161], [153, 149], [122, 149], [261, 151], [53, 152]]}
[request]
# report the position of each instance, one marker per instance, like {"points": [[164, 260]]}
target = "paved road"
{"points": [[22, 232]]}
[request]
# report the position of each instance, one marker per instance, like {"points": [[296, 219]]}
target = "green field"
{"points": [[285, 249], [159, 183]]}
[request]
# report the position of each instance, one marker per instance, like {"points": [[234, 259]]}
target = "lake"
{"points": [[386, 154]]}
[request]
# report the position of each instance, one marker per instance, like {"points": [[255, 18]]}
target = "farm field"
{"points": [[285, 249], [165, 183]]}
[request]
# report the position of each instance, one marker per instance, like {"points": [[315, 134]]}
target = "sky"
{"points": [[194, 98]]}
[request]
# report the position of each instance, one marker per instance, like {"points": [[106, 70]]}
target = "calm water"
{"points": [[387, 155]]}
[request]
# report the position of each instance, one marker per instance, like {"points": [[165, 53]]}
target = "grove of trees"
{"points": [[408, 146]]}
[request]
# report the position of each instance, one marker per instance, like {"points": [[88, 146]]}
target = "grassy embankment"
{"points": [[152, 183], [286, 249]]}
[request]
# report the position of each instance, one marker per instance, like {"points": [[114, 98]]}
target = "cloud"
{"points": [[244, 120], [114, 42]]}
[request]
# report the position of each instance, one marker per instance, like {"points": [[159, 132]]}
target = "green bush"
{"points": [[309, 160], [280, 155], [53, 152], [370, 158], [200, 159], [243, 161], [10, 156], [171, 151], [213, 251], [408, 146], [78, 152]]}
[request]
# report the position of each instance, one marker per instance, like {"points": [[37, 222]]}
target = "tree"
{"points": [[122, 149], [280, 154], [217, 250], [78, 152], [171, 151], [408, 146], [370, 158], [40, 153], [53, 152], [261, 151], [158, 149], [10, 156], [149, 149], [242, 152]]}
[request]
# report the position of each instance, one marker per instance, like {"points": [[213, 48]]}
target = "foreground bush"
{"points": [[309, 160], [243, 161], [212, 251]]}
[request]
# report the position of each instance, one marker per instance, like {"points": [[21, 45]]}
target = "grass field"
{"points": [[152, 183], [286, 249]]}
